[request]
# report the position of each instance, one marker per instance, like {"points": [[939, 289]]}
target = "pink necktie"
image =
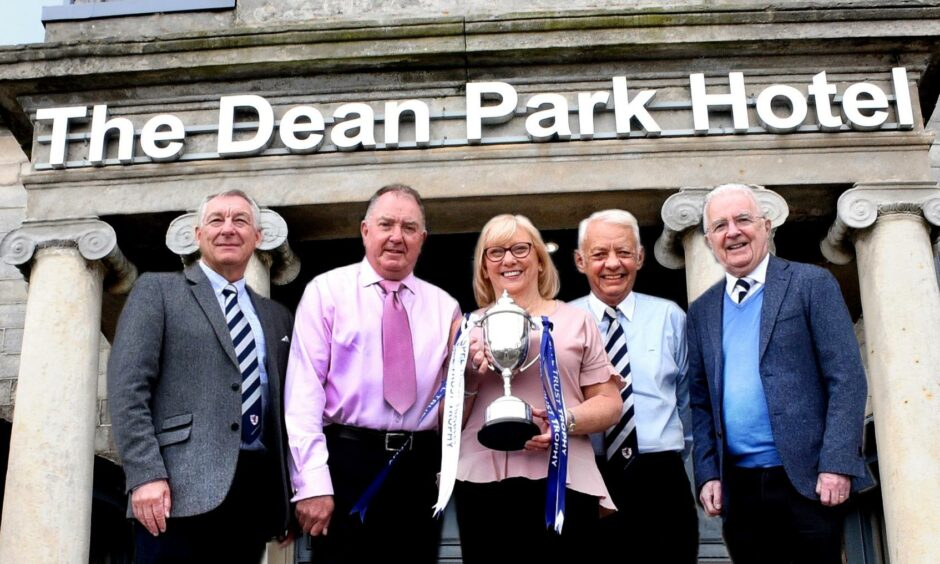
{"points": [[398, 355]]}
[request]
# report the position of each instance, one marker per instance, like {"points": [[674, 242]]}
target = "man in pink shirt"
{"points": [[343, 423]]}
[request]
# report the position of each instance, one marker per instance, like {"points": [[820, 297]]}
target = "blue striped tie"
{"points": [[247, 355], [620, 442]]}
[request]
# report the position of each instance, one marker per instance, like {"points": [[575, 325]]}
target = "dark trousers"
{"points": [[398, 525], [505, 522], [232, 532], [768, 522], [656, 521]]}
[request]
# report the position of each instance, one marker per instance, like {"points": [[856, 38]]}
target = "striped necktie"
{"points": [[247, 355], [620, 443], [741, 288]]}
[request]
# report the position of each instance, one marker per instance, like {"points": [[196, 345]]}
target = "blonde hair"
{"points": [[498, 231]]}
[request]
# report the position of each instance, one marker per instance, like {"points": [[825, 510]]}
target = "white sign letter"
{"points": [[821, 91], [478, 114], [625, 109], [312, 125], [227, 145], [556, 118], [793, 99], [902, 98], [363, 126], [736, 100], [166, 144], [587, 101], [101, 128], [60, 129], [875, 99], [422, 118]]}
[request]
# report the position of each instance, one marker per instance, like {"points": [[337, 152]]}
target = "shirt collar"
{"points": [[368, 276], [626, 307], [759, 275], [218, 281]]}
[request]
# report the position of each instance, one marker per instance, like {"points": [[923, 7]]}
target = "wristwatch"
{"points": [[571, 422]]}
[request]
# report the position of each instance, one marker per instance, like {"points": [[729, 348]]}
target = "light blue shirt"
{"points": [[248, 309], [655, 332]]}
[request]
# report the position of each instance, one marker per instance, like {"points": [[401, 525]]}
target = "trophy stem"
{"points": [[507, 379]]}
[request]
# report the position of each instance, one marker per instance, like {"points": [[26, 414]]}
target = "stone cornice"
{"points": [[274, 248], [94, 239], [683, 211], [860, 207]]}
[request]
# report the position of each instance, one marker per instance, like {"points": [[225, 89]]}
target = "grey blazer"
{"points": [[174, 390], [811, 371]]}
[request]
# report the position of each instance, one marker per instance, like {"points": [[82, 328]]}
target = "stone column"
{"points": [[273, 262], [901, 305], [47, 502], [682, 242]]}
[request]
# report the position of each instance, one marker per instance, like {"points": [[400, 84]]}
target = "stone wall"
{"points": [[12, 285]]}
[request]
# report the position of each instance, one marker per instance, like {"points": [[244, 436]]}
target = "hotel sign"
{"points": [[248, 124]]}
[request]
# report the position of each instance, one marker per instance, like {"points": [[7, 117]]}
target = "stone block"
{"points": [[9, 365], [11, 218], [104, 412], [13, 291], [12, 341], [12, 315], [6, 412], [10, 176], [104, 443], [6, 391], [9, 272]]}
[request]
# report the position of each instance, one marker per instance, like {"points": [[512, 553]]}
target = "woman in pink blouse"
{"points": [[501, 496]]}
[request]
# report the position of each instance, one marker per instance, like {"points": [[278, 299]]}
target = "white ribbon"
{"points": [[453, 415]]}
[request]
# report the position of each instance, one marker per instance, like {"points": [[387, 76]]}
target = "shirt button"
{"points": [[234, 426], [235, 386]]}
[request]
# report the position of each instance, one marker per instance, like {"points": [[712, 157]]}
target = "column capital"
{"points": [[860, 206], [274, 248], [683, 211], [94, 239]]}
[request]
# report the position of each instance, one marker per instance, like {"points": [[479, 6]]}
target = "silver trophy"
{"points": [[507, 423]]}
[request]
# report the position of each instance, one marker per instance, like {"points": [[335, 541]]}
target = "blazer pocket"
{"points": [[176, 429]]}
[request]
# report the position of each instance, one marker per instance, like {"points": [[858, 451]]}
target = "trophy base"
{"points": [[507, 434], [508, 425]]}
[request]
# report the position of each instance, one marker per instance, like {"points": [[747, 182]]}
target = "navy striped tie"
{"points": [[247, 354], [620, 443], [741, 287]]}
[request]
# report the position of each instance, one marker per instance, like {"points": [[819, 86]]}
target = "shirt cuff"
{"points": [[312, 483]]}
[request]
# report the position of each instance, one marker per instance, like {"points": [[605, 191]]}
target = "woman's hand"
{"points": [[544, 440]]}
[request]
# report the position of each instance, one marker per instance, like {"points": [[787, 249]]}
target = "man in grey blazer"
{"points": [[194, 383], [777, 391]]}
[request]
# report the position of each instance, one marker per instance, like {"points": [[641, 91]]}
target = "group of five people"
{"points": [[227, 411]]}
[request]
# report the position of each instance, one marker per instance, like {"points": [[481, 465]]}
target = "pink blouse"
{"points": [[582, 361]]}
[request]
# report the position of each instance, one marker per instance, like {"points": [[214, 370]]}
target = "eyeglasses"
{"points": [[496, 254], [743, 221]]}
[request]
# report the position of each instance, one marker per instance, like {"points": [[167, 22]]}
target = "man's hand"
{"points": [[833, 489], [314, 514], [151, 505], [710, 496]]}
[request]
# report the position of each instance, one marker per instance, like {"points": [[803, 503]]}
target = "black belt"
{"points": [[383, 440]]}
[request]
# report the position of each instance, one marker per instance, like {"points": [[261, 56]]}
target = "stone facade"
{"points": [[328, 54]]}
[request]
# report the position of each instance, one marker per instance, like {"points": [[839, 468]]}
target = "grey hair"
{"points": [[745, 189], [402, 190], [255, 210], [615, 217]]}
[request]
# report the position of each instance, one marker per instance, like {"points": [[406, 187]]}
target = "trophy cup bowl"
{"points": [[507, 422]]}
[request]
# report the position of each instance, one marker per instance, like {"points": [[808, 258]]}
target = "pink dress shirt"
{"points": [[334, 374], [582, 361]]}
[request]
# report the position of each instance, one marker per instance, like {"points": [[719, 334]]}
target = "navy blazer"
{"points": [[810, 368]]}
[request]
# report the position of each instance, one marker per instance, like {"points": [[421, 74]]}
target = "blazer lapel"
{"points": [[775, 289], [205, 297], [714, 300]]}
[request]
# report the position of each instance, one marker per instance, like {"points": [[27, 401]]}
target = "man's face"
{"points": [[737, 233], [610, 258], [227, 235], [393, 235]]}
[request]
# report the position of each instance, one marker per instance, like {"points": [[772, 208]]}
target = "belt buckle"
{"points": [[396, 441]]}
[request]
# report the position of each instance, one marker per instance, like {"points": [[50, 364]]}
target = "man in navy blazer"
{"points": [[197, 419], [777, 391]]}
